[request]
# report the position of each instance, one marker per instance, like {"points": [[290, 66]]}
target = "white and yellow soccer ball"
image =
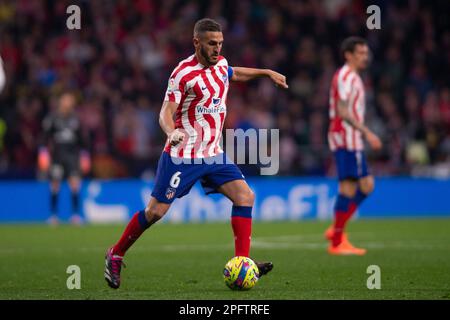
{"points": [[240, 273]]}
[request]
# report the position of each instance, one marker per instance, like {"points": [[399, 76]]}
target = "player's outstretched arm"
{"points": [[372, 138], [246, 74], [166, 122]]}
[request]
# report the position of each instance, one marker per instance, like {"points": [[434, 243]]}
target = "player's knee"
{"points": [[367, 186], [246, 198], [348, 188]]}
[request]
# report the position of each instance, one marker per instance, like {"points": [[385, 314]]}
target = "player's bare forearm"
{"points": [[166, 122], [372, 138], [246, 74], [166, 117], [347, 117]]}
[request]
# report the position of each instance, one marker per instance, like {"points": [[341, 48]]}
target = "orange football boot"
{"points": [[345, 248]]}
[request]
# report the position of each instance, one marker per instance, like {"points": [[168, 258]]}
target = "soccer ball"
{"points": [[240, 273]]}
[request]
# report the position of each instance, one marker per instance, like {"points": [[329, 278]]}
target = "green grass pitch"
{"points": [[185, 261]]}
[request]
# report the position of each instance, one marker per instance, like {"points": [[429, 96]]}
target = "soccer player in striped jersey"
{"points": [[345, 136], [196, 97]]}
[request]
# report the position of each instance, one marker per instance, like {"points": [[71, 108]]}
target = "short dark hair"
{"points": [[350, 43], [205, 25]]}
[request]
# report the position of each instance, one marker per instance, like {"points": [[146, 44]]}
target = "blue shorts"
{"points": [[351, 164], [176, 176]]}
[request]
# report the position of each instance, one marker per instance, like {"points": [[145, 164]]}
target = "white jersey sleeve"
{"points": [[344, 85], [175, 89]]}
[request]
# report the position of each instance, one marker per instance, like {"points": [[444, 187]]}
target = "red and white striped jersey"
{"points": [[347, 86], [200, 93]]}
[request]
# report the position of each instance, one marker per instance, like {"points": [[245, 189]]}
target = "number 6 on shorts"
{"points": [[175, 180]]}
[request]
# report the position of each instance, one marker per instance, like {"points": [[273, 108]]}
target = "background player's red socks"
{"points": [[341, 219], [241, 222], [344, 210], [341, 215], [137, 225]]}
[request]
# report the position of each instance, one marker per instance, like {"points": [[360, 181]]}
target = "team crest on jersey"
{"points": [[171, 86], [216, 101], [225, 78], [170, 193]]}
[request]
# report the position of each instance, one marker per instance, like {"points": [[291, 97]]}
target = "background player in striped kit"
{"points": [[346, 133], [196, 95]]}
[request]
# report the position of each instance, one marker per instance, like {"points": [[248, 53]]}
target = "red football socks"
{"points": [[241, 222], [137, 225]]}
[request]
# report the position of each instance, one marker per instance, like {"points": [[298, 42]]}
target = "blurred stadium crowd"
{"points": [[119, 63]]}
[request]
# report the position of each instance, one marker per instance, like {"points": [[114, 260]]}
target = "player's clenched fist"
{"points": [[175, 137]]}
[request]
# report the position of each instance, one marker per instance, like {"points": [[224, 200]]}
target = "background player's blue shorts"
{"points": [[351, 164], [175, 178]]}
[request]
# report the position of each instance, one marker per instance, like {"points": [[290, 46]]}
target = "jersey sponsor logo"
{"points": [[213, 110]]}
